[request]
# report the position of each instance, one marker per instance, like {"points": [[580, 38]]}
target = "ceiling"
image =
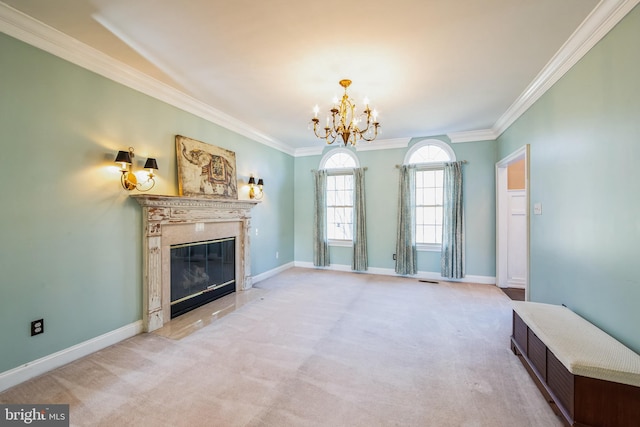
{"points": [[430, 67]]}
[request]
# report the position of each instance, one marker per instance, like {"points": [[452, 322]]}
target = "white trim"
{"points": [[309, 151], [47, 363], [340, 243], [383, 144], [473, 136], [429, 247], [29, 30], [438, 143], [268, 274], [484, 280], [599, 22]]}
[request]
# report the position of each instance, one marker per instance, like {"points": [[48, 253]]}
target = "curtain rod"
{"points": [[461, 161], [364, 168]]}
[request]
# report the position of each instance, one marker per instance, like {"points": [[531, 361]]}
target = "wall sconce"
{"points": [[128, 178], [256, 193]]}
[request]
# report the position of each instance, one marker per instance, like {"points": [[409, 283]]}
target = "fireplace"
{"points": [[201, 272], [174, 221]]}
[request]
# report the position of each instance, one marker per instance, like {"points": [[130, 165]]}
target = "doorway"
{"points": [[512, 221]]}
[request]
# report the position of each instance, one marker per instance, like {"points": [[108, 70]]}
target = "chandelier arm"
{"points": [[375, 134]]}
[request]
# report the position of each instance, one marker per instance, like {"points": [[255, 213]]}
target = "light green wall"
{"points": [[585, 146], [381, 182], [70, 237]]}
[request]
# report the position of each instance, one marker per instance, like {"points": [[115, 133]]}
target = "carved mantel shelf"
{"points": [[171, 220]]}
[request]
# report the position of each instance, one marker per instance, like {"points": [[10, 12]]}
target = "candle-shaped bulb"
{"points": [[366, 101], [375, 115], [316, 110]]}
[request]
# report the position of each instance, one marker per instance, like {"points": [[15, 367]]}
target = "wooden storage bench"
{"points": [[593, 379]]}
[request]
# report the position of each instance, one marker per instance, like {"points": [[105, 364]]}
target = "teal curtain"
{"points": [[320, 241], [359, 261], [406, 253], [452, 257]]}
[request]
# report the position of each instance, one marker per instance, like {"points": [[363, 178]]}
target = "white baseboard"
{"points": [[263, 276], [30, 370], [428, 275]]}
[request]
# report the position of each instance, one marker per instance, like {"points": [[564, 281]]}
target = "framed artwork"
{"points": [[205, 170]]}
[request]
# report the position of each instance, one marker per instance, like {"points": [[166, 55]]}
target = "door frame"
{"points": [[502, 215]]}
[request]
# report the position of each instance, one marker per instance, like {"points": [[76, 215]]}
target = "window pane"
{"points": [[429, 153], [420, 214], [331, 215], [420, 234], [439, 178], [348, 182], [438, 215], [429, 178], [430, 216], [331, 198], [439, 234], [430, 233], [331, 183], [348, 198], [430, 196], [340, 160], [438, 199]]}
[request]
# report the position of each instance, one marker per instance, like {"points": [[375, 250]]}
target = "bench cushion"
{"points": [[580, 346]]}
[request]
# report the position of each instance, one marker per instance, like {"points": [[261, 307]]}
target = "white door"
{"points": [[512, 247], [517, 239]]}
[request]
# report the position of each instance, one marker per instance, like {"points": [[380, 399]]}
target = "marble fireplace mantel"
{"points": [[170, 220]]}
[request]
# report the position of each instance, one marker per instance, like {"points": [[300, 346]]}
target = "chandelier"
{"points": [[343, 120]]}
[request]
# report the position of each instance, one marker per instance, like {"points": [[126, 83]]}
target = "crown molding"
{"points": [[31, 31], [599, 22], [384, 144], [378, 144], [309, 151], [473, 136], [23, 27]]}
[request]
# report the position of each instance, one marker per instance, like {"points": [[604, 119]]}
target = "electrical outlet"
{"points": [[37, 327], [277, 255], [256, 231]]}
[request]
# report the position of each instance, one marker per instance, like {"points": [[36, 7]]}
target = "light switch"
{"points": [[537, 208], [199, 227]]}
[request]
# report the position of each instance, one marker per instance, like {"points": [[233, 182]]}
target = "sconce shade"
{"points": [[252, 181], [151, 164], [260, 182], [123, 157]]}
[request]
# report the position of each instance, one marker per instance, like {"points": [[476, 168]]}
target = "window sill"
{"points": [[341, 243], [431, 247]]}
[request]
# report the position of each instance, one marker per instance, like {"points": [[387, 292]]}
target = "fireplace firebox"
{"points": [[201, 272]]}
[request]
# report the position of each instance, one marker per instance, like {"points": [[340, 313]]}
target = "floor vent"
{"points": [[428, 281]]}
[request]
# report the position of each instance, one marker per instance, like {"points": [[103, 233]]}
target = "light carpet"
{"points": [[318, 348]]}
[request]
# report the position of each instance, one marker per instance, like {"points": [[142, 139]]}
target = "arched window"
{"points": [[339, 158], [339, 164], [429, 157]]}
